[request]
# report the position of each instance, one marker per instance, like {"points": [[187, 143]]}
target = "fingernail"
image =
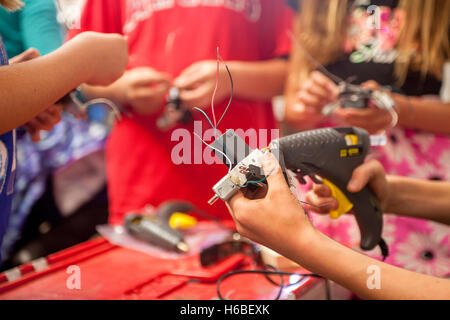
{"points": [[335, 204], [353, 185], [268, 158], [268, 162], [299, 107]]}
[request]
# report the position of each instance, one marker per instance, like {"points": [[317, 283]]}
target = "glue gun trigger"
{"points": [[307, 172]]}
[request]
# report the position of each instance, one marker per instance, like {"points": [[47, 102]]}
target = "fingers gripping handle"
{"points": [[367, 211], [344, 205], [369, 216]]}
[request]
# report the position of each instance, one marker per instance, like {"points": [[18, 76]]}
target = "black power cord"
{"points": [[384, 249], [267, 274]]}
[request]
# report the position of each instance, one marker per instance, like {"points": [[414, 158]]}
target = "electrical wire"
{"points": [[252, 182], [214, 125], [109, 103], [215, 149], [320, 66], [215, 89], [232, 89], [314, 205], [267, 273], [207, 118], [256, 182], [116, 109]]}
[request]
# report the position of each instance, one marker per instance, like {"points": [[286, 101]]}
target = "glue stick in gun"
{"points": [[331, 154]]}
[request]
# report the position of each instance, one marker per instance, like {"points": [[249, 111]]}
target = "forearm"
{"points": [[419, 199], [27, 88], [353, 270], [428, 115], [259, 80]]}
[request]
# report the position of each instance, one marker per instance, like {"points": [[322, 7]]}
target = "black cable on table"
{"points": [[267, 273]]}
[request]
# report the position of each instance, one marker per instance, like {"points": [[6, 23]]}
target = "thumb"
{"points": [[359, 179], [367, 173], [273, 172], [237, 201]]}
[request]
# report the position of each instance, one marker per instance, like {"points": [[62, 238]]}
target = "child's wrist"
{"points": [[393, 201], [302, 240], [306, 248], [404, 108], [81, 51]]}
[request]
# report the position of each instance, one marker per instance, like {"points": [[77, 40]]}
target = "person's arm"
{"points": [[261, 80], [420, 199], [429, 115], [398, 195], [49, 117], [353, 270], [277, 220], [39, 27], [27, 88], [143, 89]]}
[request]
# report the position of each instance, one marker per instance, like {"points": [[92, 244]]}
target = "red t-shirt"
{"points": [[170, 35]]}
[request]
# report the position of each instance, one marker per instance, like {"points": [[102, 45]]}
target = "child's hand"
{"points": [[373, 119], [370, 173], [144, 89], [106, 56], [273, 218], [197, 84], [27, 55], [305, 108], [316, 92], [44, 121]]}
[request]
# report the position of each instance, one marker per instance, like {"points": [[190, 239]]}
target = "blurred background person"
{"points": [[394, 44], [174, 44], [47, 193]]}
